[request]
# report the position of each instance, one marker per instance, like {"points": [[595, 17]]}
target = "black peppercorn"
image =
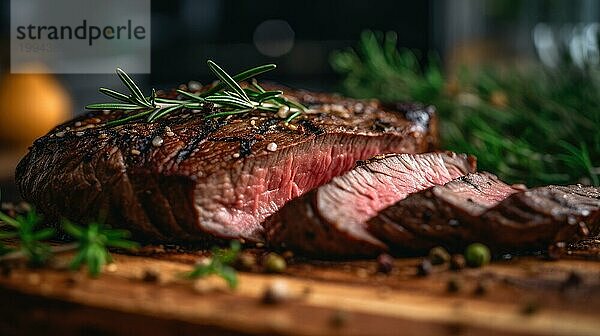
{"points": [[454, 285], [457, 262], [385, 263], [424, 268]]}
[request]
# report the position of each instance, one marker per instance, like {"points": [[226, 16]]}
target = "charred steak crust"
{"points": [[480, 208], [330, 220], [188, 178]]}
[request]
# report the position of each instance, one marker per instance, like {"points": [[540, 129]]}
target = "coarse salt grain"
{"points": [[272, 147], [157, 141]]}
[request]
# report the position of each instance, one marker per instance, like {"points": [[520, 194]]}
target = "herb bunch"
{"points": [[91, 242], [31, 244], [537, 126], [219, 264], [227, 95], [92, 245]]}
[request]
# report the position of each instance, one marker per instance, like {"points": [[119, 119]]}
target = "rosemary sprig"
{"points": [[227, 95], [219, 264], [31, 244], [92, 244]]}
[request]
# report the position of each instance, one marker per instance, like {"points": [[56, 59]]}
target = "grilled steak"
{"points": [[480, 208], [331, 219], [188, 178]]}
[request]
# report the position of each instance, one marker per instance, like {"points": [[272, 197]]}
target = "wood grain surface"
{"points": [[522, 296]]}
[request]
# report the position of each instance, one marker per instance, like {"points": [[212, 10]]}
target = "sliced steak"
{"points": [[439, 214], [536, 218], [188, 178], [330, 221], [481, 208]]}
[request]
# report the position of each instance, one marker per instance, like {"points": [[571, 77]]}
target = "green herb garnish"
{"points": [[92, 244], [219, 264], [31, 245], [537, 126], [227, 95]]}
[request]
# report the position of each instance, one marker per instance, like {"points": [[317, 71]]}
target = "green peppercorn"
{"points": [[274, 263], [477, 255], [439, 256]]}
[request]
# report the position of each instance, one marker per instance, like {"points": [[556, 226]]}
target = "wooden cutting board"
{"points": [[522, 296]]}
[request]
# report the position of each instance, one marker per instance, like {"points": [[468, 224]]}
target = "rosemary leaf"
{"points": [[268, 95], [115, 94], [135, 90], [170, 101], [114, 106], [129, 118], [158, 113], [229, 101], [292, 116], [9, 220], [257, 86], [242, 76], [190, 95], [226, 79]]}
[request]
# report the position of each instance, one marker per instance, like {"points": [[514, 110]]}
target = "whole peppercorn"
{"points": [[424, 268], [246, 262], [274, 263], [457, 262], [482, 287], [150, 275], [276, 292], [477, 255], [454, 285], [385, 263], [573, 280], [556, 251], [530, 307], [439, 256], [338, 318]]}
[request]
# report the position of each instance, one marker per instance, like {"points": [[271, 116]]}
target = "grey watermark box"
{"points": [[79, 36]]}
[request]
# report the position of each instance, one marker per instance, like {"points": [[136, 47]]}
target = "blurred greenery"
{"points": [[534, 126]]}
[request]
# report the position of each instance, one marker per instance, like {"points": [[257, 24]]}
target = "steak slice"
{"points": [[536, 218], [481, 208], [440, 214], [188, 178], [330, 221]]}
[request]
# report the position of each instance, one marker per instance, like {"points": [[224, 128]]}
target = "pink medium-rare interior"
{"points": [[361, 193], [244, 200]]}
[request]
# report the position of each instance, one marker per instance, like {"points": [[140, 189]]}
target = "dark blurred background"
{"points": [[300, 37]]}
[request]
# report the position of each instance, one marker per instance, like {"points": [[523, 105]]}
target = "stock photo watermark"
{"points": [[80, 36]]}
